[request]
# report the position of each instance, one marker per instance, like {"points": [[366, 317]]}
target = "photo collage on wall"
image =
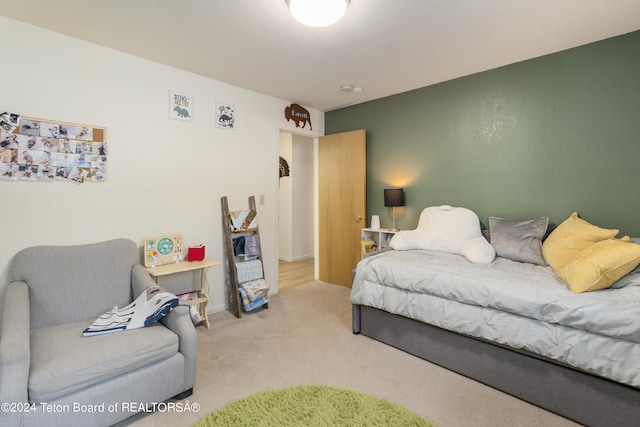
{"points": [[32, 149]]}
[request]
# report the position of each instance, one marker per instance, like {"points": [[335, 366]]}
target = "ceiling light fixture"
{"points": [[318, 13]]}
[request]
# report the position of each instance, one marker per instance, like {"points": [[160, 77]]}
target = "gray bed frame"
{"points": [[573, 394]]}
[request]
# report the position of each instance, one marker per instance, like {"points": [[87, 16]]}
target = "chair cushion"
{"points": [[87, 280], [55, 372]]}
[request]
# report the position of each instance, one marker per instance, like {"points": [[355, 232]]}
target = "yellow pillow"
{"points": [[600, 265], [570, 238]]}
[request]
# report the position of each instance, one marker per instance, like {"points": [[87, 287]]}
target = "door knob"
{"points": [[358, 218]]}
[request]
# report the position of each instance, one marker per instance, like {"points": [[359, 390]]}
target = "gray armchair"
{"points": [[51, 375]]}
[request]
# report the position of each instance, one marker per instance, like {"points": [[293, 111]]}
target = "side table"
{"points": [[181, 267]]}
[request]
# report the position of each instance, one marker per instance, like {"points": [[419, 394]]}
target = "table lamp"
{"points": [[394, 197]]}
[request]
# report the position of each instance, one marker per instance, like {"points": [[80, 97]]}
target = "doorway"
{"points": [[296, 237]]}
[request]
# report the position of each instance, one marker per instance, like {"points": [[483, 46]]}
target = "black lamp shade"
{"points": [[393, 197]]}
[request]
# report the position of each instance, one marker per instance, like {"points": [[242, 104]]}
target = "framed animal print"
{"points": [[225, 116], [180, 106]]}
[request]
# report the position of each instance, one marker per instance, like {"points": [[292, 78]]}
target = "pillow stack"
{"points": [[587, 257]]}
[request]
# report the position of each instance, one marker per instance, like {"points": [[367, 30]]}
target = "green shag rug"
{"points": [[312, 406]]}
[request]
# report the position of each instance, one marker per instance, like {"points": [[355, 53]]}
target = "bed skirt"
{"points": [[576, 395]]}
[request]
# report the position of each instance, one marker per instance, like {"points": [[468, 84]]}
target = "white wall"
{"points": [[302, 198], [285, 196], [296, 233], [165, 176]]}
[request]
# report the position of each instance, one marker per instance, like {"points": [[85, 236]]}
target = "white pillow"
{"points": [[447, 229], [478, 251], [405, 240]]}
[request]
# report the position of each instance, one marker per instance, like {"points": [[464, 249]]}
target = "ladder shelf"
{"points": [[244, 258]]}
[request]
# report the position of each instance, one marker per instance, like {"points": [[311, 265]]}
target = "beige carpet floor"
{"points": [[305, 338]]}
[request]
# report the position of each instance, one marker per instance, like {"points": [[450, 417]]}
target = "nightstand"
{"points": [[379, 237]]}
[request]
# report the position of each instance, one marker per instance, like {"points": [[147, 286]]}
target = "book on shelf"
{"points": [[368, 245]]}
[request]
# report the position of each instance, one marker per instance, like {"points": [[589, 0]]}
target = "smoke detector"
{"points": [[351, 88]]}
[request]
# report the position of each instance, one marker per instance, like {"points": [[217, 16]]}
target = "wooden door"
{"points": [[342, 173]]}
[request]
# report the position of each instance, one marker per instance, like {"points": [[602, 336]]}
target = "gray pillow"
{"points": [[633, 278], [519, 240]]}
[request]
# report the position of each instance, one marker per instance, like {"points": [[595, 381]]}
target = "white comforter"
{"points": [[520, 305]]}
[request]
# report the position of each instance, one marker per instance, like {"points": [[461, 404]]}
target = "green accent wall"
{"points": [[542, 137]]}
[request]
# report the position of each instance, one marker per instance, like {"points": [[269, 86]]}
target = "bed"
{"points": [[517, 326]]}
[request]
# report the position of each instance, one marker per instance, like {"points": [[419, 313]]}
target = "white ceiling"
{"points": [[384, 46]]}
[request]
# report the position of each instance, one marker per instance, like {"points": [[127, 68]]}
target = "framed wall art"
{"points": [[180, 106], [225, 116]]}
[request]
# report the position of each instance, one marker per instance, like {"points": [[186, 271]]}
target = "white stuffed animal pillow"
{"points": [[447, 229]]}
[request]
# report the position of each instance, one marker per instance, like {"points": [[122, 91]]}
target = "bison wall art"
{"points": [[299, 115]]}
